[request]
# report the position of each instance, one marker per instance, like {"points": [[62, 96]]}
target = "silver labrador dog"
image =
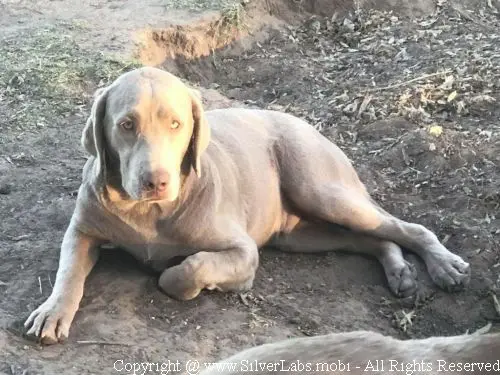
{"points": [[362, 352], [167, 179]]}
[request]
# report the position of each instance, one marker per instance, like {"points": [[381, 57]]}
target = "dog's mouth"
{"points": [[154, 195]]}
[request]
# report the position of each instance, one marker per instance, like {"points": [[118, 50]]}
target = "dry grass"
{"points": [[45, 75], [233, 17], [197, 6]]}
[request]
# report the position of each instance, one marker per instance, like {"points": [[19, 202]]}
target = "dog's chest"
{"points": [[156, 255], [137, 232]]}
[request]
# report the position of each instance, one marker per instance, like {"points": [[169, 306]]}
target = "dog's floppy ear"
{"points": [[201, 132], [93, 133]]}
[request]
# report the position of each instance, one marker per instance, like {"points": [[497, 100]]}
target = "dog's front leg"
{"points": [[232, 267], [51, 320]]}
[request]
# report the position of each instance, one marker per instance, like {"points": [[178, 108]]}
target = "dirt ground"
{"points": [[412, 101]]}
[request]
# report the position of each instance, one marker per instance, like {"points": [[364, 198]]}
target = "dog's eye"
{"points": [[175, 124], [127, 125]]}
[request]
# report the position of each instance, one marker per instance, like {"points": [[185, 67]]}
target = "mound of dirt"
{"points": [[242, 25]]}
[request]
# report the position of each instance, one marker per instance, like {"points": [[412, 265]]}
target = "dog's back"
{"points": [[363, 352]]}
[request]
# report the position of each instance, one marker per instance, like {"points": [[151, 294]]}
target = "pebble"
{"points": [[5, 189]]}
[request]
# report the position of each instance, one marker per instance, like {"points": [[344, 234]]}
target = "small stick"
{"points": [[20, 238], [40, 285], [50, 281], [482, 330], [496, 304], [446, 239], [98, 342], [425, 76]]}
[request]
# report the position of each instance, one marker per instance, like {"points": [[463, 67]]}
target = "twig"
{"points": [[425, 76], [20, 238], [98, 342], [50, 281], [496, 304], [40, 285], [482, 330], [446, 239]]}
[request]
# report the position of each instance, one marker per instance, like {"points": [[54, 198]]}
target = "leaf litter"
{"points": [[413, 103]]}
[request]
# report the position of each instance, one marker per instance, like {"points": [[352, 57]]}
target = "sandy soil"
{"points": [[413, 102]]}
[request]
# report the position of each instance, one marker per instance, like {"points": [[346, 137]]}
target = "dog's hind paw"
{"points": [[403, 281], [449, 271]]}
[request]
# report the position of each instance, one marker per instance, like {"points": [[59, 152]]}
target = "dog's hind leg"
{"points": [[320, 183], [344, 206], [318, 237]]}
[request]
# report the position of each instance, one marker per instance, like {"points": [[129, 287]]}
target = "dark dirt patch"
{"points": [[426, 158]]}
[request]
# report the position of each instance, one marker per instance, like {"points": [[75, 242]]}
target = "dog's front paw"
{"points": [[179, 282], [50, 322], [449, 271]]}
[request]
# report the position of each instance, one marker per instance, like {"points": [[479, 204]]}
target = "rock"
{"points": [[5, 189]]}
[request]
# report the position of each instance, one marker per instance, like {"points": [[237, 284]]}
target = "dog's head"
{"points": [[154, 129]]}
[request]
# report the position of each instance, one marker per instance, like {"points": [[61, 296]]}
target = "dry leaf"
{"points": [[483, 98], [448, 83], [367, 99], [460, 106], [452, 96], [435, 130]]}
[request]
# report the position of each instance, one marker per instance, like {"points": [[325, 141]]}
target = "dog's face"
{"points": [[151, 123]]}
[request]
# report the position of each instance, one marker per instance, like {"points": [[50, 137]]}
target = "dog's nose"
{"points": [[157, 180]]}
